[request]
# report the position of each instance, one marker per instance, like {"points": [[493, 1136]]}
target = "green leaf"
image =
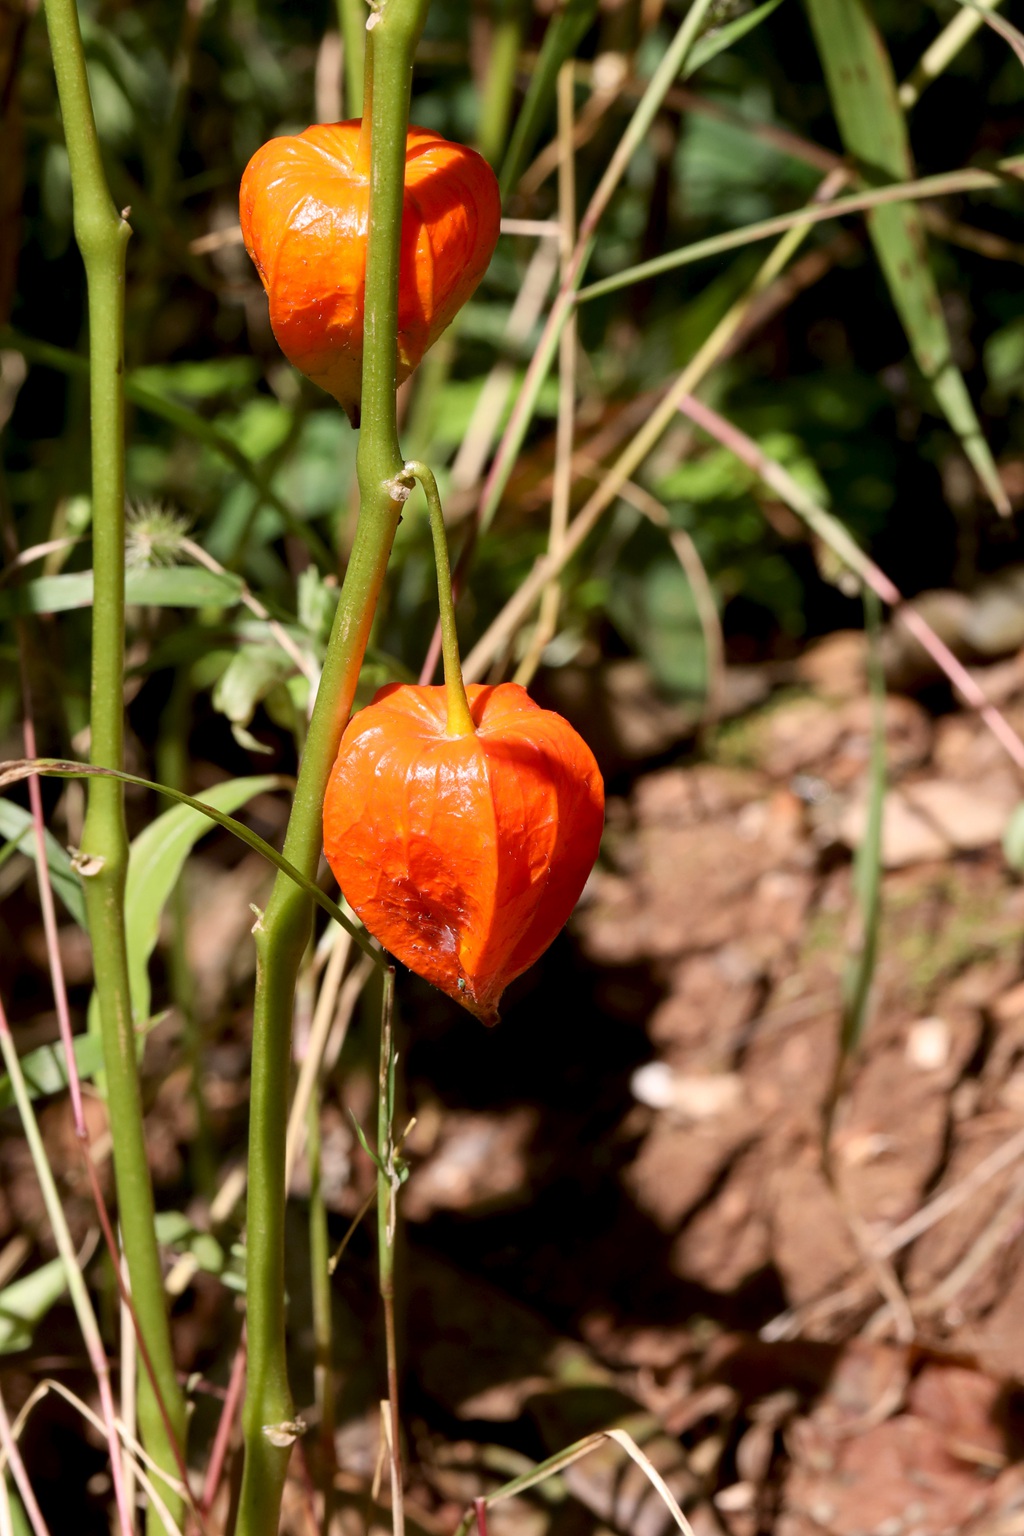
{"points": [[24, 1303], [657, 613], [250, 675], [177, 586], [361, 1138], [175, 1230], [564, 34], [16, 825], [155, 863], [317, 603], [45, 1069], [864, 95]]}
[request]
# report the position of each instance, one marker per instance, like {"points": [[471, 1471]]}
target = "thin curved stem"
{"points": [[388, 1181], [460, 716]]}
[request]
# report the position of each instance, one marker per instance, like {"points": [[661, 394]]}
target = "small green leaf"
{"points": [[45, 1069], [24, 1303], [656, 612], [317, 603], [174, 1230], [1004, 357], [361, 1138], [249, 676], [155, 863], [16, 824]]}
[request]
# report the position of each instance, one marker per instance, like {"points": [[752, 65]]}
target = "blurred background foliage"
{"points": [[228, 443]]}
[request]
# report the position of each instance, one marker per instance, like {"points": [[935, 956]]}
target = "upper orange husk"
{"points": [[304, 203], [463, 855]]}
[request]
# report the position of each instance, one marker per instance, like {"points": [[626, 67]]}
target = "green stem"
{"points": [[460, 716], [387, 1218], [282, 933], [352, 24], [172, 768], [102, 235], [320, 1285]]}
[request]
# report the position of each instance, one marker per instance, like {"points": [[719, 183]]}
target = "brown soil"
{"points": [[619, 1211]]}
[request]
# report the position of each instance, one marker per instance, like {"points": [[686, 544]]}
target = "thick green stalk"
{"points": [[283, 931], [102, 235]]}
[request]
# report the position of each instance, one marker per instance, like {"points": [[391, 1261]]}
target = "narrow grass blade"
{"points": [[831, 531], [23, 1512], [69, 1258], [141, 1459], [945, 48], [866, 103], [13, 772], [576, 1452], [720, 38], [945, 183], [672, 63], [1007, 31], [564, 34]]}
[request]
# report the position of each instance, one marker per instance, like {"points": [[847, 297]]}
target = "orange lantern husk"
{"points": [[463, 855], [304, 207]]}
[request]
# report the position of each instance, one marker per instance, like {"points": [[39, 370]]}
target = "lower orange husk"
{"points": [[463, 856]]}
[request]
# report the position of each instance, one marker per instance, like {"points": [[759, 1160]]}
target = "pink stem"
{"points": [[98, 1361], [222, 1439], [60, 991], [17, 1466], [60, 995], [832, 532]]}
